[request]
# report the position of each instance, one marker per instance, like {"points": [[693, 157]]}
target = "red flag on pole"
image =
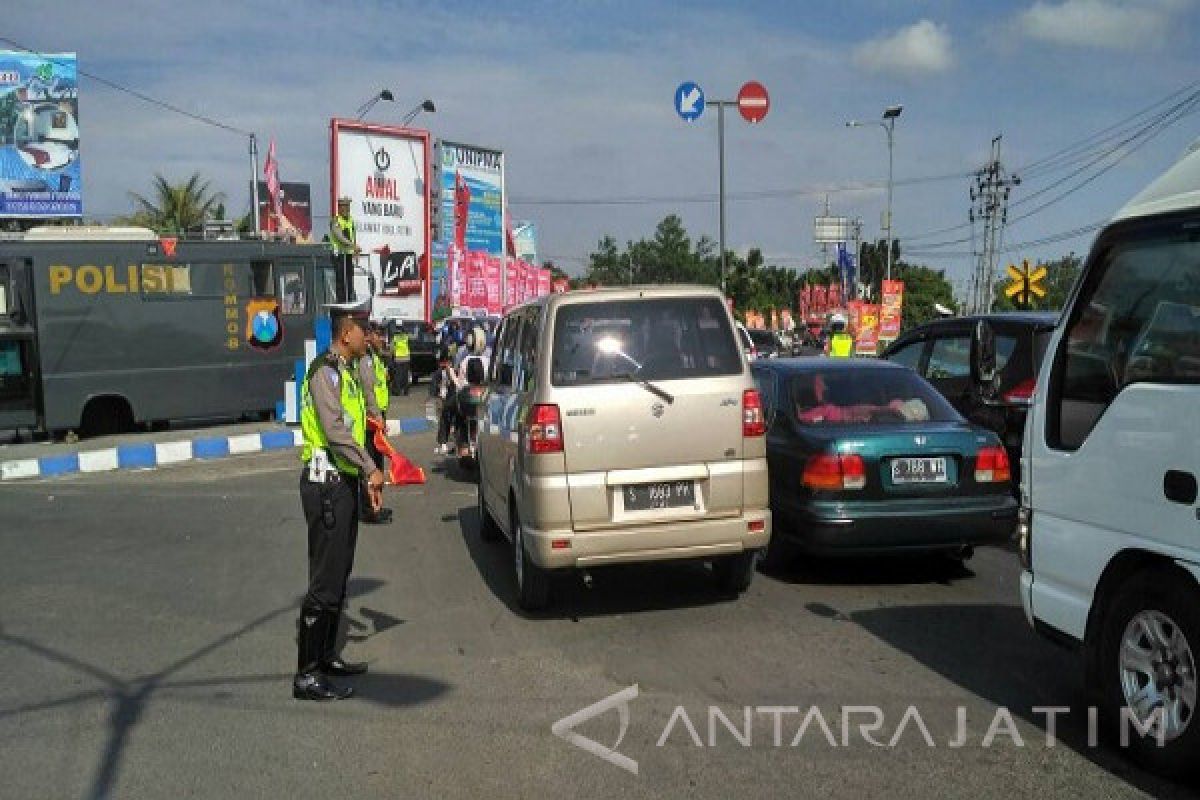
{"points": [[271, 172]]}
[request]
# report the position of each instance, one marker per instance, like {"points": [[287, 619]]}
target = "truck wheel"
{"points": [[533, 582], [1147, 663], [734, 573]]}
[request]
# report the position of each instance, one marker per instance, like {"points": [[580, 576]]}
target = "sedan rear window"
{"points": [[867, 396], [649, 339]]}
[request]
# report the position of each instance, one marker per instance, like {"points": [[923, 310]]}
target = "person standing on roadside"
{"points": [[333, 419], [401, 361]]}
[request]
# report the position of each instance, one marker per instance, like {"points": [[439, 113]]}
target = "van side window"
{"points": [[527, 354], [1137, 320], [507, 352]]}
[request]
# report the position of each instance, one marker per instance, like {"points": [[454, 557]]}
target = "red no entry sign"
{"points": [[753, 102]]}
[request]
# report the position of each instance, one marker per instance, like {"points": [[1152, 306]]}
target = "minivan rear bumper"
{"points": [[688, 539]]}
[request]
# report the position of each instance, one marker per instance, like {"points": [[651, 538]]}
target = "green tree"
{"points": [[176, 207]]}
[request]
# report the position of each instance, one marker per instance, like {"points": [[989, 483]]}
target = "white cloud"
{"points": [[921, 48], [1100, 23]]}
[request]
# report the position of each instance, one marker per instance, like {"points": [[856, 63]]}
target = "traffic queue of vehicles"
{"points": [[643, 424]]}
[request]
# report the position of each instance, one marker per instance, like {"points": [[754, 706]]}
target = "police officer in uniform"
{"points": [[333, 418], [841, 344], [343, 238], [372, 374], [401, 361]]}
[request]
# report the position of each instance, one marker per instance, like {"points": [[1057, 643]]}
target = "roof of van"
{"points": [[1175, 190]]}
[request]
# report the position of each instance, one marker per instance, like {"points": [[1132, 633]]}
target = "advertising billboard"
{"points": [[296, 205], [472, 196], [383, 170], [39, 136], [525, 240]]}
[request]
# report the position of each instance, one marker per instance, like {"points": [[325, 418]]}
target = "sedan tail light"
{"points": [[833, 472], [543, 431], [754, 422], [1021, 394], [991, 466]]}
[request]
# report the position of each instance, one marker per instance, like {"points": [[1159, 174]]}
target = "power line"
{"points": [[763, 194], [133, 92]]}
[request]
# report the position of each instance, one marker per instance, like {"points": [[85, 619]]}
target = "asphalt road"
{"points": [[146, 651]]}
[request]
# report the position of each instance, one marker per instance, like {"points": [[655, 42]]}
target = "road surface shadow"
{"points": [[870, 571], [990, 651], [449, 469], [395, 689], [625, 589]]}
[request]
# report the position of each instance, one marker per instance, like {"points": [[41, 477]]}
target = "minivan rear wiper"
{"points": [[610, 346], [647, 385]]}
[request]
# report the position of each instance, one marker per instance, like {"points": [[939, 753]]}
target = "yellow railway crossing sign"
{"points": [[1025, 283]]}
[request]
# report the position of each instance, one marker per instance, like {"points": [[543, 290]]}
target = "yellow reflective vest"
{"points": [[353, 403]]}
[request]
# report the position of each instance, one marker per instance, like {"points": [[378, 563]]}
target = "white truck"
{"points": [[1109, 531]]}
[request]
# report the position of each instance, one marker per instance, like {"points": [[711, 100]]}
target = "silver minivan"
{"points": [[622, 425]]}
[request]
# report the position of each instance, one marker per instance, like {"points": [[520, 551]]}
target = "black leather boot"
{"points": [[309, 683], [331, 662]]}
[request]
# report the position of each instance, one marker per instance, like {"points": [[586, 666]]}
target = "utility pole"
{"points": [[989, 204]]}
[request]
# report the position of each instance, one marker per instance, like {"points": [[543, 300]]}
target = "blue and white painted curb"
{"points": [[151, 455]]}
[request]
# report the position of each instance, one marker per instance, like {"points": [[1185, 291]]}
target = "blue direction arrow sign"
{"points": [[689, 101]]}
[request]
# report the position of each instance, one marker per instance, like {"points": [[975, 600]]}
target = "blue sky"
{"points": [[579, 96]]}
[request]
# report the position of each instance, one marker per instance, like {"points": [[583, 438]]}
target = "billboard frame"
{"points": [[336, 126]]}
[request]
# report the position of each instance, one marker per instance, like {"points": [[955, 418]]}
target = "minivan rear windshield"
{"points": [[650, 339], [867, 396]]}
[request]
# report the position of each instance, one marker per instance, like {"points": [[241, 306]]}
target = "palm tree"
{"points": [[177, 207]]}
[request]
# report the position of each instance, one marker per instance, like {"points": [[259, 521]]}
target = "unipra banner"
{"points": [[383, 171], [39, 136], [472, 196], [889, 318]]}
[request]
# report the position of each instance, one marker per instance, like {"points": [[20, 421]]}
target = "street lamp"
{"points": [[383, 94], [888, 123], [426, 106]]}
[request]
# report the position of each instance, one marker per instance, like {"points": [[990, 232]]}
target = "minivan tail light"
{"points": [[833, 472], [1021, 394], [754, 422], [543, 432], [991, 466]]}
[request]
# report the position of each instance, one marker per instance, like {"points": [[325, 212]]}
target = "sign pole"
{"points": [[721, 170]]}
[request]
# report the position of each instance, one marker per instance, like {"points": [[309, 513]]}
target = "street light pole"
{"points": [[426, 105], [888, 123], [891, 115], [254, 179]]}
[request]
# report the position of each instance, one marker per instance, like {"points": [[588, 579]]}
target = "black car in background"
{"points": [[940, 351], [767, 343]]}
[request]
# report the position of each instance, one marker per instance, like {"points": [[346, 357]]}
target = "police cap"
{"points": [[359, 311]]}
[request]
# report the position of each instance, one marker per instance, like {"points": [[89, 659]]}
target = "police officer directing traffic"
{"points": [[343, 238], [333, 419], [373, 374]]}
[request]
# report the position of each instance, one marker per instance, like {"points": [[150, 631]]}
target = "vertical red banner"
{"points": [[890, 313], [512, 290], [492, 279], [867, 340], [544, 282]]}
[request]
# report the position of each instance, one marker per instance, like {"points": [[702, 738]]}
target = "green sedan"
{"points": [[866, 458]]}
